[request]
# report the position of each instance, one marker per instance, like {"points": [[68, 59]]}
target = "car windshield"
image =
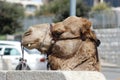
{"points": [[32, 51]]}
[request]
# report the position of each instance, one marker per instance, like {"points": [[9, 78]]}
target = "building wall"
{"points": [[89, 2], [109, 49], [113, 3], [30, 6]]}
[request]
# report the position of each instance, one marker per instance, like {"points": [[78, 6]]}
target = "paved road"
{"points": [[111, 73]]}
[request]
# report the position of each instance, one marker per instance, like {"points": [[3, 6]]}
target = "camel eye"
{"points": [[27, 33]]}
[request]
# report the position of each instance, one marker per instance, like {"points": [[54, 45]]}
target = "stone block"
{"points": [[54, 75], [2, 75]]}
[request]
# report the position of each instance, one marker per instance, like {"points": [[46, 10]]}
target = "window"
{"points": [[31, 8], [0, 50], [11, 51], [89, 2], [114, 3]]}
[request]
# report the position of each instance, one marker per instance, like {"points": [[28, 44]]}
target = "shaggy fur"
{"points": [[74, 44]]}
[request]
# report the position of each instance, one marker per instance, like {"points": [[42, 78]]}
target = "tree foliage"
{"points": [[101, 7], [61, 9], [10, 16]]}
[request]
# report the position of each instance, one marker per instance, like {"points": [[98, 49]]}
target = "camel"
{"points": [[69, 44]]}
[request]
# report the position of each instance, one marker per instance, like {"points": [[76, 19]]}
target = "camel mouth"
{"points": [[27, 45]]}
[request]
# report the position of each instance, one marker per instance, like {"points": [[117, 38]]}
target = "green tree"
{"points": [[10, 16], [61, 9], [101, 7]]}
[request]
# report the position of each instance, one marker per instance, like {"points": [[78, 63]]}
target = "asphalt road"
{"points": [[111, 73]]}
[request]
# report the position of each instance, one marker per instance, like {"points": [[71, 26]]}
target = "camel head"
{"points": [[37, 36], [41, 36]]}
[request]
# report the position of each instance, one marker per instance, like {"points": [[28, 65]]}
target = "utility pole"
{"points": [[72, 7]]}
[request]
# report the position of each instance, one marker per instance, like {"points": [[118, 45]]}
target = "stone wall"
{"points": [[51, 75], [109, 50]]}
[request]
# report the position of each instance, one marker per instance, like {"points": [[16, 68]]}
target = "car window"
{"points": [[11, 51], [0, 50]]}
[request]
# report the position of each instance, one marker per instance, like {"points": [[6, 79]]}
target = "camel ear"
{"points": [[86, 25], [58, 29], [85, 30]]}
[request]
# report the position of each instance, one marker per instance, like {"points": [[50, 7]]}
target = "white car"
{"points": [[11, 52]]}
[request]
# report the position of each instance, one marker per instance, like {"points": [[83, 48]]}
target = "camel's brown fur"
{"points": [[68, 52]]}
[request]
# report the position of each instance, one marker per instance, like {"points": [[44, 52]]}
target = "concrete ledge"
{"points": [[51, 75], [2, 75]]}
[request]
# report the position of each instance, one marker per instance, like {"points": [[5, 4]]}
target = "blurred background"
{"points": [[16, 16]]}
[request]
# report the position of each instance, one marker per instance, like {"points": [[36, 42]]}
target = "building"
{"points": [[92, 2], [89, 2], [30, 6], [113, 3]]}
